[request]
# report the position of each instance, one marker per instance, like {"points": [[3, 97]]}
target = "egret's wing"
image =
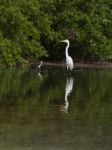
{"points": [[70, 63]]}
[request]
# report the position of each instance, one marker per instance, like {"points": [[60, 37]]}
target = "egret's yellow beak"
{"points": [[62, 41]]}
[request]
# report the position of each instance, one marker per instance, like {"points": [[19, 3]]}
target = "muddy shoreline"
{"points": [[79, 65]]}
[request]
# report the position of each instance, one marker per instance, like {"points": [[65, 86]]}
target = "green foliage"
{"points": [[87, 24], [31, 29], [20, 37]]}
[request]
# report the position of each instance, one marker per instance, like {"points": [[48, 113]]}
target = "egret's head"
{"points": [[66, 41]]}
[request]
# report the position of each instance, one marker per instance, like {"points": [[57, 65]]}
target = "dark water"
{"points": [[55, 110]]}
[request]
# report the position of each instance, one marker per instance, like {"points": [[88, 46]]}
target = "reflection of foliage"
{"points": [[29, 107], [22, 90], [92, 95]]}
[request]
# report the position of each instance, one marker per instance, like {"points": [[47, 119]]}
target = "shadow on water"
{"points": [[53, 109]]}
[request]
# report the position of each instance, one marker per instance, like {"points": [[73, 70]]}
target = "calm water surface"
{"points": [[55, 110]]}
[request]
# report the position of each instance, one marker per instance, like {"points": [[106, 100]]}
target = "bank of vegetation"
{"points": [[31, 29]]}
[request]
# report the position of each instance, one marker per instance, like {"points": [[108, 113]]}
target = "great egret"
{"points": [[39, 65], [69, 61]]}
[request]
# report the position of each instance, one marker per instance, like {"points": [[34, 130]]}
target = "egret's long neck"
{"points": [[66, 52]]}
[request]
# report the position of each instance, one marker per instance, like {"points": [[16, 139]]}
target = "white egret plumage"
{"points": [[69, 60]]}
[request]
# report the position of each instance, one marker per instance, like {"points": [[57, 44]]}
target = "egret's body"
{"points": [[69, 61]]}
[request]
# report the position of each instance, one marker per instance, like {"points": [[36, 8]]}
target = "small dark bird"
{"points": [[40, 65]]}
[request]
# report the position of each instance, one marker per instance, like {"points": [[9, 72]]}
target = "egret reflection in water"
{"points": [[68, 89], [40, 76]]}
